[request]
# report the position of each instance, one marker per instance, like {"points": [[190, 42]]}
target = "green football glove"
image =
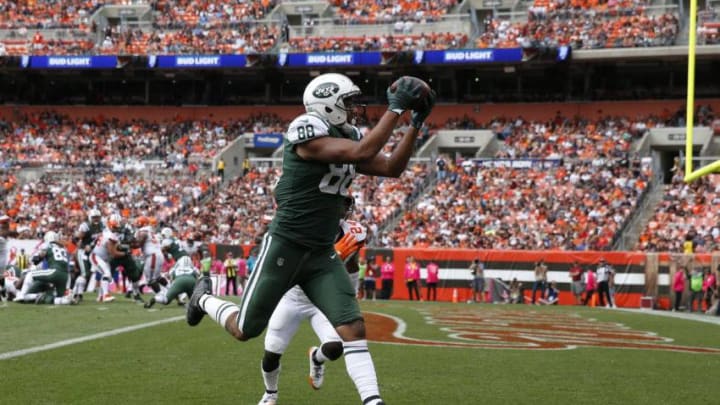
{"points": [[421, 113], [403, 93]]}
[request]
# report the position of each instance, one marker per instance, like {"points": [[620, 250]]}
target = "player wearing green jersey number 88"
{"points": [[48, 282], [322, 154]]}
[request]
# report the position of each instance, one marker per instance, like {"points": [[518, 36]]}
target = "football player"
{"points": [[183, 276], [131, 270], [153, 257], [171, 246], [106, 249], [87, 235], [38, 284], [322, 152], [8, 280], [294, 307]]}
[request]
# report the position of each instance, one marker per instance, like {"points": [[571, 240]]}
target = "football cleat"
{"points": [[194, 313], [269, 398], [108, 298], [150, 303], [317, 371]]}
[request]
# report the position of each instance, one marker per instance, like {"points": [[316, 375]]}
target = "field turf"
{"points": [[171, 363]]}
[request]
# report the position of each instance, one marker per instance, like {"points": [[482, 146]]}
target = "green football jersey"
{"points": [[311, 195], [91, 233], [56, 256], [172, 247]]}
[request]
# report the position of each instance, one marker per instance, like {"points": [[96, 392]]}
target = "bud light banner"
{"points": [[69, 62], [269, 140], [473, 56], [331, 59], [316, 59], [196, 61]]}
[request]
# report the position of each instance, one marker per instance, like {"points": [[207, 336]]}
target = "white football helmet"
{"points": [[115, 222], [325, 96], [94, 215], [166, 233], [51, 236]]}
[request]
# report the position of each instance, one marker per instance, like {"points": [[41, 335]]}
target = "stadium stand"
{"points": [[60, 199], [582, 145], [383, 12], [581, 29], [709, 24], [379, 43], [237, 212], [687, 212], [576, 206], [223, 26], [48, 137]]}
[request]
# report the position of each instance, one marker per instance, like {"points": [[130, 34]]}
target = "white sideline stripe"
{"points": [[68, 342]]}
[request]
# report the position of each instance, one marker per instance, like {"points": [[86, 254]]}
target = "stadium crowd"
{"points": [[386, 11], [50, 138], [47, 13], [687, 213], [489, 205], [588, 175], [210, 14], [584, 31], [708, 26], [224, 26], [573, 138], [237, 212], [61, 199], [574, 206], [399, 42]]}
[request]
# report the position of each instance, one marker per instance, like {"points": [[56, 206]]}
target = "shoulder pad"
{"points": [[355, 228], [305, 128], [84, 227]]}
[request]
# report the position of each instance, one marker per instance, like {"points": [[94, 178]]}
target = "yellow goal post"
{"points": [[691, 175]]}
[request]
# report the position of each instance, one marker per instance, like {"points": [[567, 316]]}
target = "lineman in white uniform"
{"points": [[106, 250], [294, 307], [152, 254]]}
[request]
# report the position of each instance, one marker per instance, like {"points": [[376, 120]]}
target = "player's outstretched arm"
{"points": [[394, 164], [337, 150]]}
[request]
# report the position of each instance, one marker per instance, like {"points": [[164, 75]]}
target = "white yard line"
{"points": [[679, 315], [101, 335]]}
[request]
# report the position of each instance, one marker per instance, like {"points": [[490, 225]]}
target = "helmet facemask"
{"points": [[355, 112]]}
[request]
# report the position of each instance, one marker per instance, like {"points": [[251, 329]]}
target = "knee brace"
{"points": [[332, 350], [271, 361]]}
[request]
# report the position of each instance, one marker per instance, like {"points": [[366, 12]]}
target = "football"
{"points": [[423, 90]]}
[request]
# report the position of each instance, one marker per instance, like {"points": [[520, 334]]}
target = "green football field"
{"points": [[425, 353]]}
